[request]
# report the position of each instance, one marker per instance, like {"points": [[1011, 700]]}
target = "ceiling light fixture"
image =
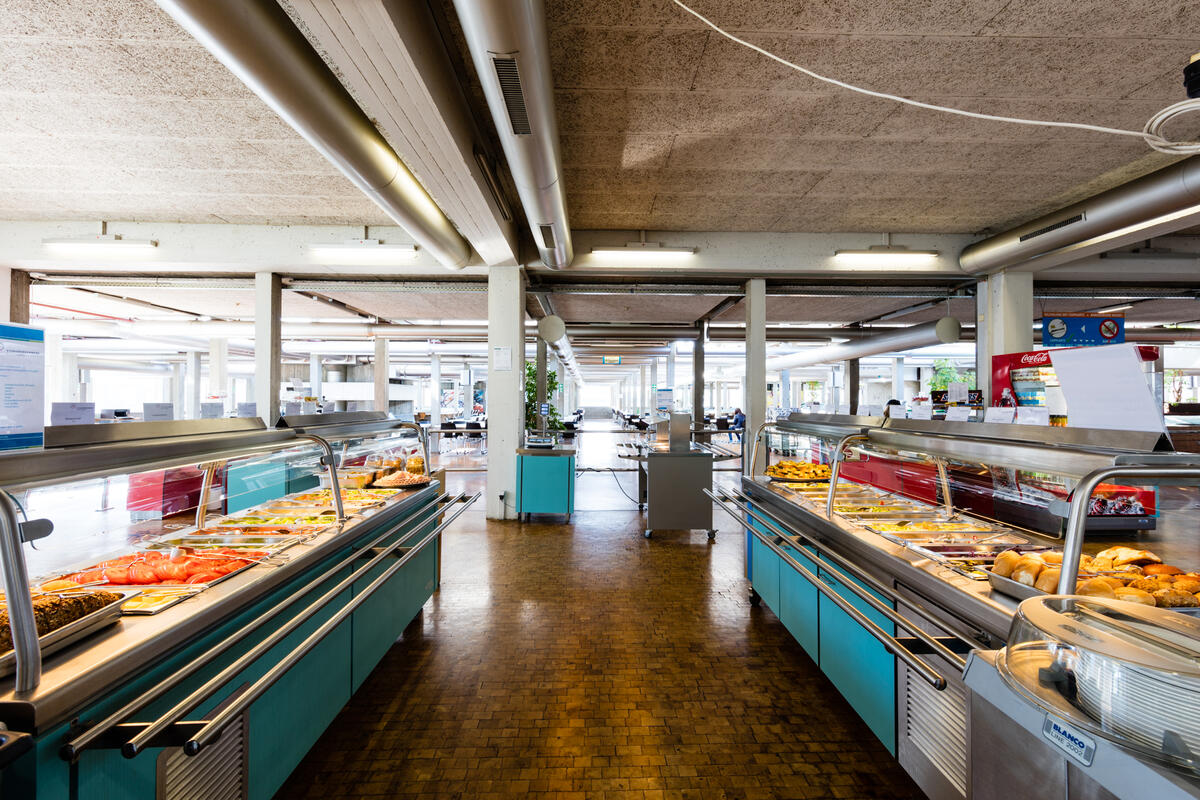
{"points": [[100, 244], [643, 252], [362, 251], [1113, 309], [887, 255]]}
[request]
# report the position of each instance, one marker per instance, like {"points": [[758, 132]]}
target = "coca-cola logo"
{"points": [[1035, 358]]}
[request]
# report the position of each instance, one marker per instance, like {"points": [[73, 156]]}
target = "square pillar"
{"points": [[379, 374], [314, 375], [435, 391], [191, 399], [505, 387], [698, 375], [14, 295], [1003, 322], [218, 370], [898, 379], [268, 347], [852, 384], [754, 387], [785, 390]]}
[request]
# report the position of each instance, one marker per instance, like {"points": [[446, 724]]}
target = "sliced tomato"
{"points": [[142, 574], [117, 575], [203, 577]]}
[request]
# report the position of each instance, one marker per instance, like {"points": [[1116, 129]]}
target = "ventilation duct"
{"points": [[553, 331], [507, 40], [257, 41], [1154, 205]]}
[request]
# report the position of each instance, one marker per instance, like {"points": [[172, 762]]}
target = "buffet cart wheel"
{"points": [[755, 599], [647, 533], [712, 534]]}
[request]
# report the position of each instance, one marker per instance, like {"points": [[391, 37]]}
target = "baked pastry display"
{"points": [[401, 479], [54, 611], [797, 471]]}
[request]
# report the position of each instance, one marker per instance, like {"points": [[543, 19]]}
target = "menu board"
{"points": [[72, 413], [22, 386]]}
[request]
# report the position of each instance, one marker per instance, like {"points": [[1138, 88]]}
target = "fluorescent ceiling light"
{"points": [[887, 255], [1113, 309], [644, 252], [363, 251], [100, 244]]}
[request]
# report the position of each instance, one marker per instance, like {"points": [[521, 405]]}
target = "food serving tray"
{"points": [[415, 485], [81, 628], [166, 597], [777, 479], [272, 544], [967, 528], [1020, 591]]}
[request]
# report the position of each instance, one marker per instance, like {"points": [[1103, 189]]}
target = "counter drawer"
{"points": [[798, 601]]}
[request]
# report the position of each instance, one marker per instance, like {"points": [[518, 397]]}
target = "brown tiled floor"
{"points": [[584, 661]]}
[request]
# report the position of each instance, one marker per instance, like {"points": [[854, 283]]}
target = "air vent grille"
{"points": [[1062, 223], [219, 772], [548, 236], [936, 724], [514, 97]]}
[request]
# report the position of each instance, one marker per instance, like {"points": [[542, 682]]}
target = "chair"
{"points": [[473, 434], [569, 431], [722, 423]]}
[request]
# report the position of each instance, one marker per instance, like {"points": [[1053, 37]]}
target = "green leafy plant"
{"points": [[945, 373], [554, 420]]}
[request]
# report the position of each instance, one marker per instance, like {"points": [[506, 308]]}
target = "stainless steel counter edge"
{"points": [[75, 677], [972, 602], [545, 451]]}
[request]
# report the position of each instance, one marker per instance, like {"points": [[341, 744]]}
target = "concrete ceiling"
{"points": [[109, 110], [407, 306], [235, 304], [666, 125]]}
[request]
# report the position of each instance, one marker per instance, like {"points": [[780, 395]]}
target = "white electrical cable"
{"points": [[1151, 133]]}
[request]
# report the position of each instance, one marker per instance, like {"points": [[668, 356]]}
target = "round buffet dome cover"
{"points": [[1132, 670]]}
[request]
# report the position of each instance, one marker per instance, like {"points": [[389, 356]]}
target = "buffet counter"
{"points": [[906, 592]]}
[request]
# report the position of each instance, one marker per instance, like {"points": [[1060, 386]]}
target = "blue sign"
{"points": [[1061, 330]]}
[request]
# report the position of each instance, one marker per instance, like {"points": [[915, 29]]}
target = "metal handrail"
{"points": [[142, 740], [836, 467], [889, 642], [1081, 499], [856, 572], [757, 437], [210, 472], [21, 622], [213, 728], [331, 462], [71, 750]]}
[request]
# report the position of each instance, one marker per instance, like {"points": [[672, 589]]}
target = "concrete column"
{"points": [[73, 392], [755, 381], [177, 389], [314, 375], [505, 388], [54, 372], [698, 376], [464, 382], [435, 389], [852, 384], [14, 295], [785, 390], [898, 378], [1003, 321], [379, 374], [218, 370], [654, 386], [191, 400], [672, 355], [643, 388], [268, 348]]}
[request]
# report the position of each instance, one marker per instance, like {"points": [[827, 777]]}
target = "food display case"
{"points": [[890, 550], [203, 650]]}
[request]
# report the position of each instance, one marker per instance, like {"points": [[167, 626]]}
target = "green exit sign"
{"points": [[611, 359]]}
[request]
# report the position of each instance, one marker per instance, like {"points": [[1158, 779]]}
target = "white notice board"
{"points": [[22, 386], [158, 412], [1105, 387]]}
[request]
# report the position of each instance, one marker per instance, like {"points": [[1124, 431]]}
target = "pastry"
{"points": [[1173, 598], [1054, 559], [1047, 580], [1161, 569], [1005, 562], [1186, 584], [1115, 583], [1127, 555], [1027, 570], [1134, 596], [1101, 564], [1148, 584], [1095, 588]]}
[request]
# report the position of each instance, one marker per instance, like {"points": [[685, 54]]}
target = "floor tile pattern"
{"points": [[585, 661]]}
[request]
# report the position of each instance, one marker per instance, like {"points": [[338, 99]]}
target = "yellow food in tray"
{"points": [[796, 471], [905, 527], [869, 509]]}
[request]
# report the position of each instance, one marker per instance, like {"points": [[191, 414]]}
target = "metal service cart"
{"points": [[673, 474], [545, 477]]}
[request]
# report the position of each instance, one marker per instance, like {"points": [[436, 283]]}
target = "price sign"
{"points": [[158, 412], [958, 414], [1001, 414]]}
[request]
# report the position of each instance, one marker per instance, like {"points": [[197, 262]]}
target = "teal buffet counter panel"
{"points": [[853, 660], [260, 748], [546, 481]]}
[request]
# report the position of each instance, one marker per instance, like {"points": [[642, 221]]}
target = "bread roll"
{"points": [[1101, 564], [1148, 584], [1115, 583], [1052, 558], [1161, 569], [1005, 562], [1173, 598], [1095, 588], [1128, 555], [1135, 596], [1047, 580], [1185, 584], [1130, 569], [1027, 570]]}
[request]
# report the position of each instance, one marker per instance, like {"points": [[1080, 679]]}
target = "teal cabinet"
{"points": [[546, 484], [855, 661], [798, 601], [765, 567]]}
